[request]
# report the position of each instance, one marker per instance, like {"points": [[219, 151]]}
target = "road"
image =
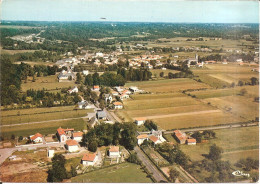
{"points": [[211, 128], [149, 165], [7, 152]]}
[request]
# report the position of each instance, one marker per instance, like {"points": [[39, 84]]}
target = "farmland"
{"points": [[42, 114], [124, 173]]}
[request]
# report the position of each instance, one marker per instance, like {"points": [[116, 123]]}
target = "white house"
{"points": [[72, 145], [123, 96], [64, 134], [37, 138], [73, 90], [84, 105], [99, 54], [191, 141], [96, 88], [108, 98], [89, 159], [118, 105], [154, 139], [114, 93], [134, 89], [141, 138], [51, 153], [77, 136], [114, 151], [85, 72], [140, 121]]}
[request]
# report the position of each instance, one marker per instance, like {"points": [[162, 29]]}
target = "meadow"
{"points": [[235, 141], [47, 82], [43, 128], [122, 173], [41, 114]]}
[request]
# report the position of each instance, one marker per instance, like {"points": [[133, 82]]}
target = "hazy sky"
{"points": [[132, 10]]}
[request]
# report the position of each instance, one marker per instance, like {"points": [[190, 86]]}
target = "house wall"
{"points": [[114, 154], [78, 139], [73, 148], [139, 122], [38, 139]]}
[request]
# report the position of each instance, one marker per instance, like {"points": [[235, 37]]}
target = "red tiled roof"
{"points": [[114, 149], [89, 157], [142, 136], [71, 142], [61, 131], [35, 136], [117, 103], [77, 134], [96, 87], [191, 140], [153, 138]]}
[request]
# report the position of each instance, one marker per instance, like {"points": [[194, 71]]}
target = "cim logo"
{"points": [[240, 173]]}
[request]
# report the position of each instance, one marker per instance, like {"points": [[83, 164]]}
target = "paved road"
{"points": [[149, 165], [211, 128], [7, 152]]}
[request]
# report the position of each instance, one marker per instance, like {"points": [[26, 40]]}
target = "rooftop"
{"points": [[71, 142], [114, 149], [89, 157]]}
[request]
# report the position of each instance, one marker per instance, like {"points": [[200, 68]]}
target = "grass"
{"points": [[122, 173], [233, 157], [47, 82], [231, 140], [168, 85], [32, 116], [187, 121], [43, 128]]}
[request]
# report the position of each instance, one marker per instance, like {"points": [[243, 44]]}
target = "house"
{"points": [[180, 137], [114, 151], [134, 89], [127, 92], [77, 136], [118, 105], [96, 88], [141, 138], [73, 90], [118, 89], [114, 93], [37, 138], [84, 105], [158, 134], [64, 134], [140, 121], [51, 153], [123, 96], [65, 76], [72, 145], [85, 72], [89, 159], [108, 98], [154, 139], [101, 115], [191, 141]]}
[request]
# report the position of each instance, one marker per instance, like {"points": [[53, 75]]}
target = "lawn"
{"points": [[168, 85], [43, 128], [47, 82], [231, 140], [35, 115], [122, 173]]}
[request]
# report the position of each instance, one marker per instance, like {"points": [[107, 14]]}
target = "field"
{"points": [[236, 141], [122, 173], [41, 114], [43, 128], [48, 82], [169, 85]]}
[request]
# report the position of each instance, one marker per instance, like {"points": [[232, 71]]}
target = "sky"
{"points": [[176, 11]]}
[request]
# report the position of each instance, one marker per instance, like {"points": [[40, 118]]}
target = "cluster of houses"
{"points": [[154, 136], [146, 59], [182, 138]]}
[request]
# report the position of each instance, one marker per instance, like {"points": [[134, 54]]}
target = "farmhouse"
{"points": [[84, 105], [191, 141], [73, 90], [37, 138], [141, 138], [96, 88], [66, 76], [180, 137], [72, 145], [139, 121], [118, 105], [114, 151], [101, 115], [64, 134], [77, 136], [154, 139], [89, 159], [158, 134], [124, 96]]}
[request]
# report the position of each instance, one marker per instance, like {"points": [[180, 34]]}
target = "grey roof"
{"points": [[101, 114]]}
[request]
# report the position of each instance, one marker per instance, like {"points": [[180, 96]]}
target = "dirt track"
{"points": [[181, 114]]}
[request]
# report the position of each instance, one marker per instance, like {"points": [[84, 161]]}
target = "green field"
{"points": [[122, 173], [48, 82], [43, 128], [236, 141], [41, 114], [168, 85]]}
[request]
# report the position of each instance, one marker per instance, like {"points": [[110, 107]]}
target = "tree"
{"points": [[92, 146], [133, 158], [73, 171], [88, 80], [161, 74], [12, 136], [243, 92], [20, 138], [198, 136], [102, 104], [79, 78], [215, 152], [240, 83], [58, 171], [173, 174], [254, 81]]}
